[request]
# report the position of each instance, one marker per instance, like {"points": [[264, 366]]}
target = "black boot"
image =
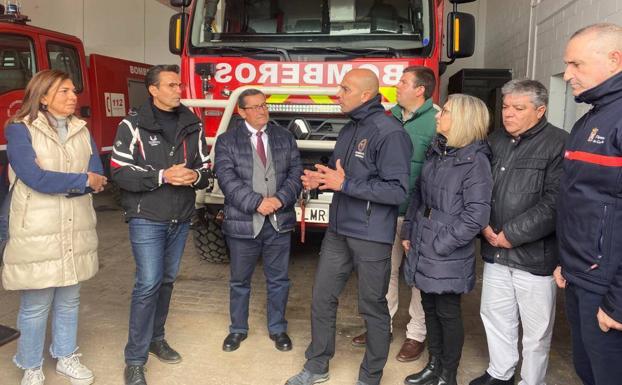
{"points": [[135, 375], [447, 377], [487, 379], [428, 375]]}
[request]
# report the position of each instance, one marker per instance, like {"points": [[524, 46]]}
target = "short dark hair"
{"points": [[245, 93], [425, 77], [152, 78]]}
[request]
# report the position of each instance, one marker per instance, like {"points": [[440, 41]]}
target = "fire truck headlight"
{"points": [[300, 128], [305, 108]]}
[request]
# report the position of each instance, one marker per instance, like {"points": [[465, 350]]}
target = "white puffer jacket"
{"points": [[53, 241]]}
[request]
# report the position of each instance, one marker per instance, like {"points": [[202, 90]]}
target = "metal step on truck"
{"points": [[297, 52]]}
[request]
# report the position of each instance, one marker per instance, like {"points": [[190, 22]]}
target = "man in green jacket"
{"points": [[416, 111]]}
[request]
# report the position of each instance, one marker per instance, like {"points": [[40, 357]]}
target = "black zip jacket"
{"points": [[141, 154], [589, 211], [526, 172], [375, 152]]}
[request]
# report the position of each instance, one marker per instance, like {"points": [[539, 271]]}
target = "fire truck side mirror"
{"points": [[460, 35], [176, 29], [180, 3]]}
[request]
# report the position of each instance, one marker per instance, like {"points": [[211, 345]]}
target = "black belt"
{"points": [[439, 216]]}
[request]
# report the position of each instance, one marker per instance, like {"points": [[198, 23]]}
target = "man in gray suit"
{"points": [[258, 167]]}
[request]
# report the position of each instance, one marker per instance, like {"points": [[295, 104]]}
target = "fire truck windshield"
{"points": [[391, 25]]}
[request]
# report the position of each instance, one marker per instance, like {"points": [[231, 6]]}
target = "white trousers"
{"points": [[508, 295], [416, 327]]}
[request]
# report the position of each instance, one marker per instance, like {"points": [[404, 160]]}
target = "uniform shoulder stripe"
{"points": [[588, 157]]}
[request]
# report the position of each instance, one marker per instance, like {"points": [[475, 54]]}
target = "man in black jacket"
{"points": [[258, 168], [590, 206], [519, 245], [159, 158], [368, 172]]}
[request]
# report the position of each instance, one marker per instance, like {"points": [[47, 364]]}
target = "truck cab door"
{"points": [[18, 64]]}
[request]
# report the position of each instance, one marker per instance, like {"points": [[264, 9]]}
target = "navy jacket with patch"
{"points": [[375, 152], [589, 211]]}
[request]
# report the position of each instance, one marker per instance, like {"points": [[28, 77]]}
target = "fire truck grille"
{"points": [[320, 127]]}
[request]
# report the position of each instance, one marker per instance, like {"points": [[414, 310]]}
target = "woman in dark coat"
{"points": [[450, 205]]}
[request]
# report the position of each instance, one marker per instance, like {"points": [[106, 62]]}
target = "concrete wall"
{"points": [[529, 36], [129, 29]]}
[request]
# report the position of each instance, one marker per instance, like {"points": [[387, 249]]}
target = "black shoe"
{"points": [[164, 352], [134, 375], [233, 341], [429, 374], [447, 377], [281, 341], [487, 379]]}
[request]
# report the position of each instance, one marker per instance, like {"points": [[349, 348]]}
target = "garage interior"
{"points": [[199, 317]]}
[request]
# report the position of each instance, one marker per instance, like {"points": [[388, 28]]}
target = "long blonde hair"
{"points": [[469, 120], [36, 89]]}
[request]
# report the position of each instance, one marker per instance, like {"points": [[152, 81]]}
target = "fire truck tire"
{"points": [[209, 241]]}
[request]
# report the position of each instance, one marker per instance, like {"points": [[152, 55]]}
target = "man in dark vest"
{"points": [[258, 168]]}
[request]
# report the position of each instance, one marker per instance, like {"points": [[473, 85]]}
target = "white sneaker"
{"points": [[33, 377], [71, 368]]}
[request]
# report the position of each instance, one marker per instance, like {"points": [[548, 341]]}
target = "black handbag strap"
{"points": [[13, 186]]}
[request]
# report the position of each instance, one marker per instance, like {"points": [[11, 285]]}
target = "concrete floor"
{"points": [[198, 323]]}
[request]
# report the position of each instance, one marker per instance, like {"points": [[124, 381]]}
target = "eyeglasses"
{"points": [[260, 107], [173, 86]]}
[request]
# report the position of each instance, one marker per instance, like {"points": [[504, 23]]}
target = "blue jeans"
{"points": [[32, 320], [157, 249], [274, 248], [597, 355]]}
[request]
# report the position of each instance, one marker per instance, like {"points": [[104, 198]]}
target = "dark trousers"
{"points": [[339, 256], [157, 249], [597, 355], [274, 248], [443, 321]]}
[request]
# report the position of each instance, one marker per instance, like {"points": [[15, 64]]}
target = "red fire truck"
{"points": [[107, 87], [297, 52]]}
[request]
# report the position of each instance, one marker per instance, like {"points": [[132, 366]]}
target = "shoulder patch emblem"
{"points": [[595, 138], [360, 149]]}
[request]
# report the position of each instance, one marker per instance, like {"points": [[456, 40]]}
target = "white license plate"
{"points": [[313, 214]]}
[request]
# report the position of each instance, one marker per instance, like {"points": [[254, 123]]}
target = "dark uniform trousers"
{"points": [[274, 248], [339, 256], [597, 355]]}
